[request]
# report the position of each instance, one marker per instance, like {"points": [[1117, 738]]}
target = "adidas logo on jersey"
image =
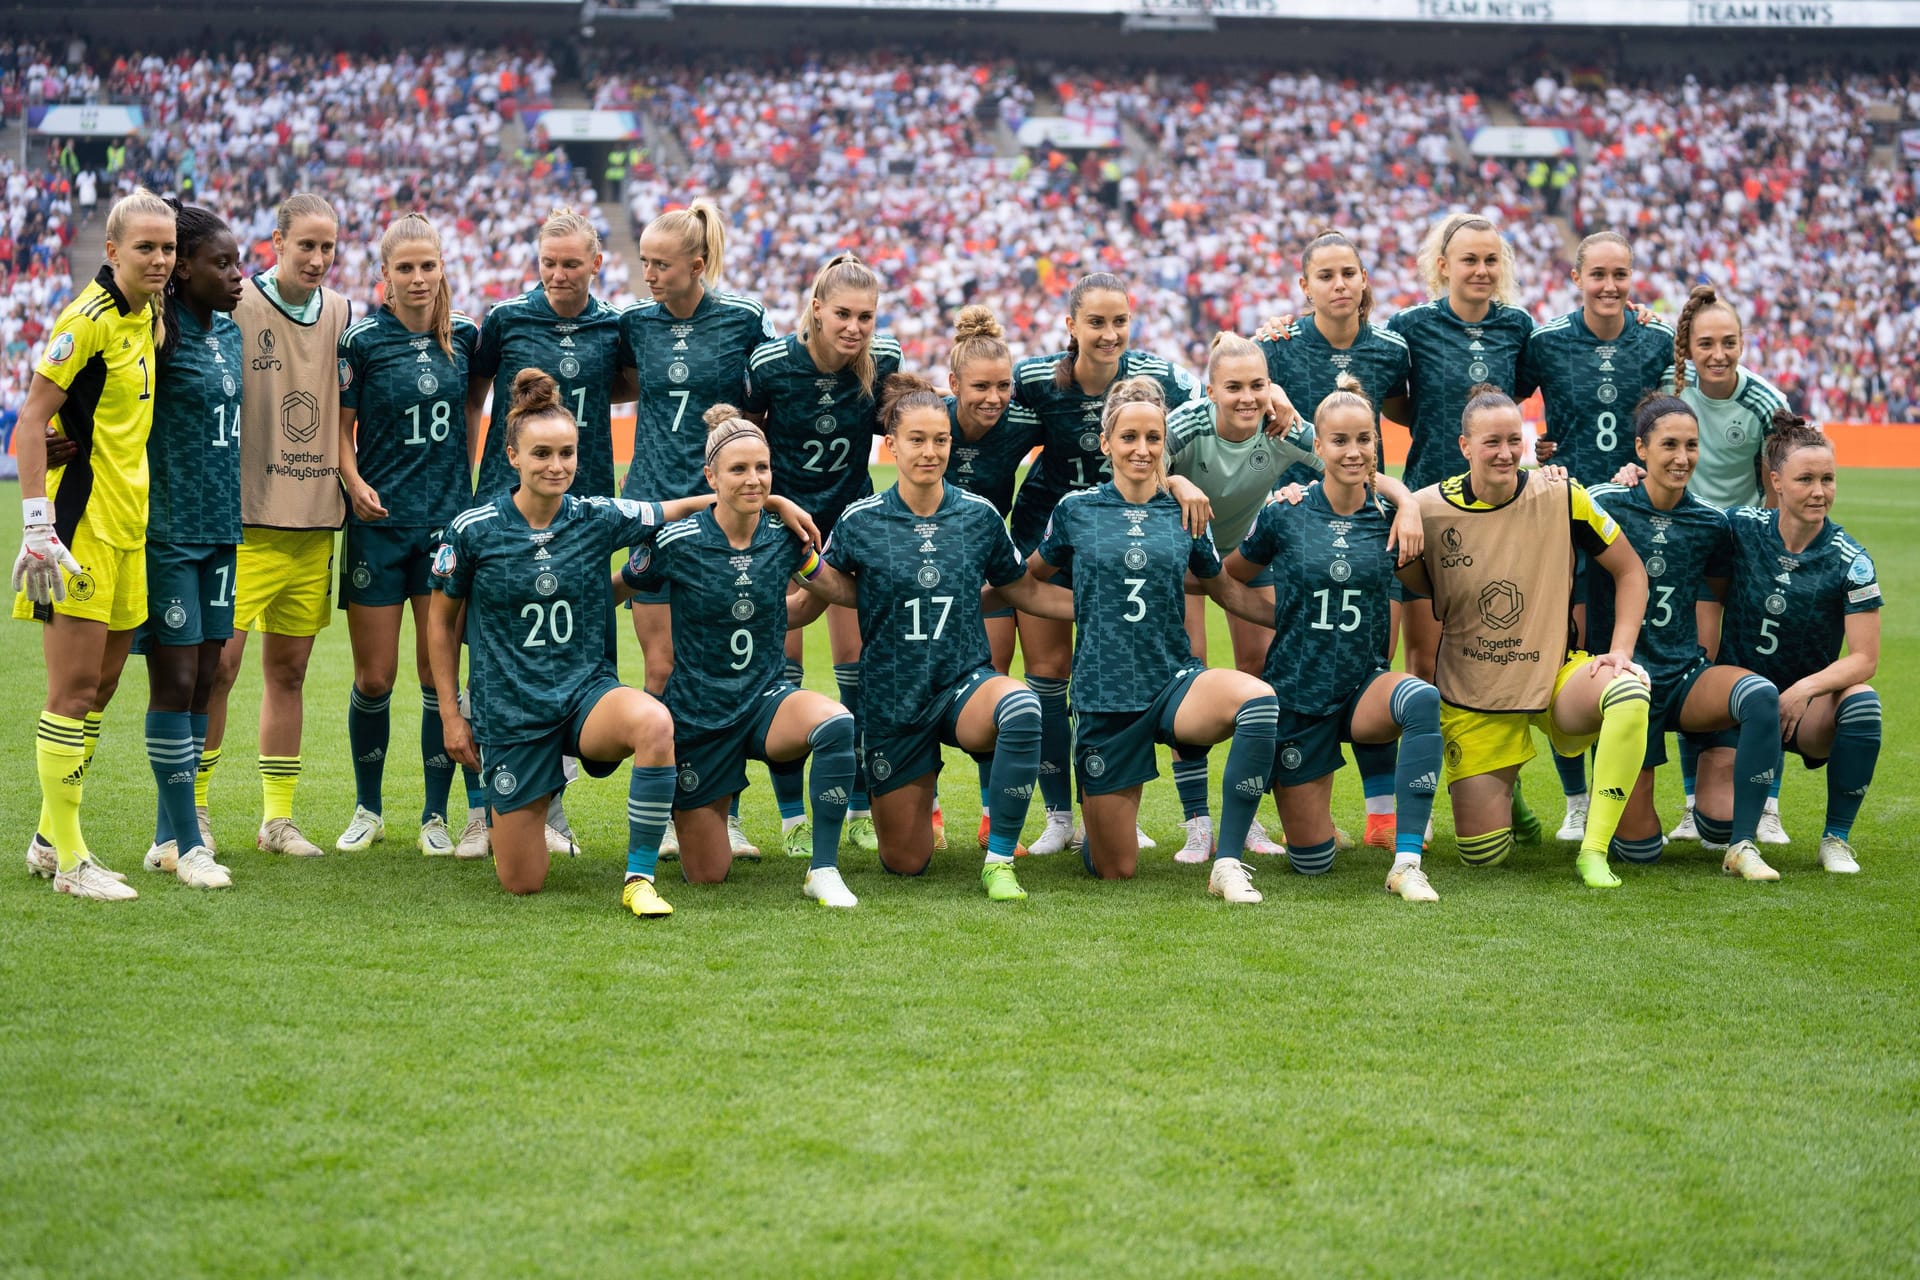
{"points": [[1475, 346], [541, 553], [1340, 543], [824, 399], [1135, 531], [1428, 782], [1606, 366], [925, 547], [566, 342], [743, 581], [679, 346], [1785, 580]]}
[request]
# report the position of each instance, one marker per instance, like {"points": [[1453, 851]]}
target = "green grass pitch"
{"points": [[381, 1065]]}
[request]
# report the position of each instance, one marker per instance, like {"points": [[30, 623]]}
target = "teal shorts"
{"points": [[1306, 747], [713, 763], [1113, 750], [383, 565], [528, 770], [1663, 718], [897, 754], [189, 595]]}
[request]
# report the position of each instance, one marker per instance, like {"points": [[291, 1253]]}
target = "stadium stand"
{"points": [[1219, 179]]}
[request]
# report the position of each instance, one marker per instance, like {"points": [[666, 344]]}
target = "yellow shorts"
{"points": [[1480, 742], [282, 581], [111, 586]]}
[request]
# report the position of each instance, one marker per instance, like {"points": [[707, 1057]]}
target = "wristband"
{"points": [[810, 568], [35, 511]]}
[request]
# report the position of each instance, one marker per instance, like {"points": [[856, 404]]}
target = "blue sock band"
{"points": [[847, 676], [435, 764], [1377, 763], [1190, 781], [1690, 764], [1755, 704], [1016, 765], [1641, 851], [1416, 776], [649, 805], [830, 780], [1249, 768], [1856, 750], [1056, 737], [369, 725], [1312, 859], [174, 761]]}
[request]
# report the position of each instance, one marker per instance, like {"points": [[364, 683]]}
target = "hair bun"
{"points": [[535, 391], [976, 321], [719, 415]]}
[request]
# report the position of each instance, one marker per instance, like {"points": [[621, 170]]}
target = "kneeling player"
{"points": [[525, 578], [1498, 565], [725, 572]]}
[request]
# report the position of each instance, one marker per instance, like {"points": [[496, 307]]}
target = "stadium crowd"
{"points": [[914, 164], [1766, 189]]}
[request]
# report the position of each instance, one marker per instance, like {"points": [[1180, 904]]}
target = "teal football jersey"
{"points": [[686, 367], [1307, 366], [581, 353], [987, 466], [1070, 457], [716, 589], [1236, 475], [1129, 563], [1449, 357], [193, 452], [1733, 436], [540, 617], [411, 430], [1332, 598], [1680, 549], [1787, 613], [919, 580], [820, 426], [1589, 387]]}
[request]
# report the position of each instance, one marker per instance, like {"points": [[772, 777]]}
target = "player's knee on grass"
{"points": [[1712, 830], [1487, 849], [1642, 850], [900, 864]]}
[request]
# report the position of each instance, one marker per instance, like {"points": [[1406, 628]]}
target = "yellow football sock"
{"points": [[203, 776], [277, 777], [90, 731], [60, 758], [1617, 756]]}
